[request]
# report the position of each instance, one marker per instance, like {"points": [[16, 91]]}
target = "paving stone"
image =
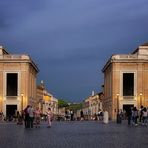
{"points": [[85, 134]]}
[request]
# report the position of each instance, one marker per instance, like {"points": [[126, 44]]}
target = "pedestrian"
{"points": [[19, 118], [106, 117], [82, 115], [72, 115], [141, 113], [135, 114], [101, 115], [49, 117], [66, 115], [1, 116], [145, 115], [129, 115], [31, 116], [26, 117], [37, 115]]}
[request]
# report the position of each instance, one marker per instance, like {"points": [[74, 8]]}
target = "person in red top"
{"points": [[26, 117]]}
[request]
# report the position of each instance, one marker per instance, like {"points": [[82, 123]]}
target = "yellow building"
{"points": [[50, 101], [93, 104], [18, 82], [39, 95], [126, 81], [46, 100]]}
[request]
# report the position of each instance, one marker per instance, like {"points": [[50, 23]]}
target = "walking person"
{"points": [[66, 115], [1, 116], [129, 115], [105, 117], [145, 115], [31, 116], [26, 117], [49, 117], [37, 115], [72, 116], [135, 113], [81, 115], [141, 113], [19, 118]]}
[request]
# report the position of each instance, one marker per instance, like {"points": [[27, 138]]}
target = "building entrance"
{"points": [[10, 111], [127, 107]]}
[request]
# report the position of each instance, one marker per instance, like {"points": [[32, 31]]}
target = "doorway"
{"points": [[10, 111], [127, 107]]}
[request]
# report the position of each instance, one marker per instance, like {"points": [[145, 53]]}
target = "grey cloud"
{"points": [[72, 37]]}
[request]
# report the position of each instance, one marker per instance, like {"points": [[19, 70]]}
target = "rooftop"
{"points": [[140, 54], [7, 57]]}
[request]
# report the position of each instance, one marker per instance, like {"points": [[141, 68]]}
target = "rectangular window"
{"points": [[12, 84], [128, 84]]}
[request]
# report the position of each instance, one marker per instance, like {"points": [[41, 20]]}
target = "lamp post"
{"points": [[140, 99], [117, 103], [118, 115], [22, 95]]}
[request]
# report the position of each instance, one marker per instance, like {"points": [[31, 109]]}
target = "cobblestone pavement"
{"points": [[74, 135]]}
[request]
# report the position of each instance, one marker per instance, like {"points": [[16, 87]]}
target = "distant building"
{"points": [[50, 101], [46, 100], [40, 95], [93, 104], [18, 82], [126, 81]]}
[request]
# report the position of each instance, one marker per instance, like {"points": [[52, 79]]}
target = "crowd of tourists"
{"points": [[70, 115], [29, 117], [137, 117], [32, 117]]}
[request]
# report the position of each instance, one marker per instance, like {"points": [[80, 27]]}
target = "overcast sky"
{"points": [[71, 40]]}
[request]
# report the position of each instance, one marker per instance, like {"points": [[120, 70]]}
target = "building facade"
{"points": [[93, 104], [46, 100], [40, 95], [18, 82], [126, 81]]}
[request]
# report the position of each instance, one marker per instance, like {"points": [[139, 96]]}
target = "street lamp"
{"points": [[117, 103], [140, 99], [118, 115], [22, 96]]}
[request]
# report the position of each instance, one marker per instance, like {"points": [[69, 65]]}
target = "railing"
{"points": [[15, 56], [128, 97], [125, 56], [129, 57], [11, 97]]}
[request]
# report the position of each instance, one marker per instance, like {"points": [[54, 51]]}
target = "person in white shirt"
{"points": [[31, 116], [49, 117], [145, 115]]}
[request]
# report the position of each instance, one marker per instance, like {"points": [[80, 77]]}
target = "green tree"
{"points": [[62, 103], [75, 106]]}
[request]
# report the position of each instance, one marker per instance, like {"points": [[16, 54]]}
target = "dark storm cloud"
{"points": [[72, 39]]}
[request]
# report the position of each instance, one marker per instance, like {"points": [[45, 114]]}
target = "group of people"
{"points": [[32, 117], [69, 115], [1, 116], [136, 116]]}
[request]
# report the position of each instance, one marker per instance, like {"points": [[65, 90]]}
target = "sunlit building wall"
{"points": [[93, 104], [46, 100], [18, 82], [126, 81], [39, 95]]}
